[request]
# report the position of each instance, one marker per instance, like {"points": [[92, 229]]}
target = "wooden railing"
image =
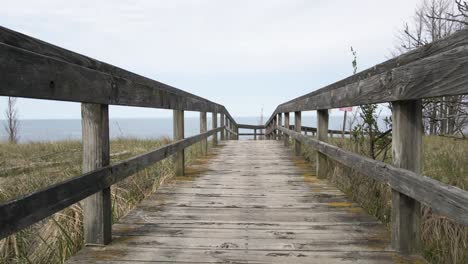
{"points": [[34, 69], [435, 70], [255, 128]]}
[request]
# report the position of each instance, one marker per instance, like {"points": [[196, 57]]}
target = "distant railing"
{"points": [[435, 70], [35, 69], [255, 128]]}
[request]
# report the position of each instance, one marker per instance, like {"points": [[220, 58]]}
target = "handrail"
{"points": [[442, 198], [231, 131], [29, 209], [245, 126], [430, 71], [314, 129], [35, 69]]}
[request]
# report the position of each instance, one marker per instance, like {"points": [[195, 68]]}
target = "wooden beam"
{"points": [[214, 122], [97, 208], [322, 135], [245, 126], [51, 72], [179, 158], [286, 124], [444, 199], [29, 209], [255, 134], [280, 123], [434, 70], [221, 120], [406, 149], [297, 126], [203, 128]]}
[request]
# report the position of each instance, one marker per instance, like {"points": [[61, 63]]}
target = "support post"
{"points": [[214, 117], [406, 147], [203, 129], [221, 120], [286, 125], [297, 126], [178, 127], [280, 123], [237, 131], [97, 208], [255, 134], [273, 127], [322, 135]]}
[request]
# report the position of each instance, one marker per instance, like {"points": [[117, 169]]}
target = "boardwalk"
{"points": [[253, 202]]}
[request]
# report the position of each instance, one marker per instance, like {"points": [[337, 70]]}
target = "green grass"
{"points": [[444, 159], [29, 167]]}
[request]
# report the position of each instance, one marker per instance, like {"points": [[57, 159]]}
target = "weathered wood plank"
{"points": [[251, 203], [297, 126], [442, 198], [407, 154], [178, 131], [50, 67], [245, 126], [437, 69], [322, 135], [26, 210], [97, 208]]}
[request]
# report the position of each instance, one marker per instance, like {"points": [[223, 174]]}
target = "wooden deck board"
{"points": [[253, 202]]}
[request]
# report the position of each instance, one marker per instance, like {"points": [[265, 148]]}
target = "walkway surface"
{"points": [[252, 202]]}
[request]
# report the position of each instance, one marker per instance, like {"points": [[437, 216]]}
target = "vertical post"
{"points": [[406, 147], [214, 117], [97, 208], [280, 123], [297, 126], [179, 158], [231, 136], [203, 128], [221, 120], [286, 125], [322, 135], [275, 132], [255, 134], [237, 131]]}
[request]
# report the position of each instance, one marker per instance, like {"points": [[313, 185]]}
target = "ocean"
{"points": [[45, 130]]}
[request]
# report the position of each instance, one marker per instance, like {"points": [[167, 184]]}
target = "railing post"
{"points": [[97, 208], [237, 131], [214, 117], [406, 147], [297, 126], [273, 126], [322, 135], [203, 129], [221, 120], [255, 134], [179, 158], [280, 123], [286, 125]]}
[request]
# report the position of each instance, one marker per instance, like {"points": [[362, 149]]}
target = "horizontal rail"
{"points": [[436, 69], [245, 126], [32, 68], [442, 198], [251, 134], [27, 210], [314, 129], [230, 131]]}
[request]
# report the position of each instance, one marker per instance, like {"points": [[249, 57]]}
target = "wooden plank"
{"points": [[214, 123], [436, 69], [297, 125], [29, 209], [221, 120], [203, 128], [286, 124], [449, 201], [112, 85], [178, 130], [322, 135], [245, 126], [406, 154], [97, 208], [257, 205]]}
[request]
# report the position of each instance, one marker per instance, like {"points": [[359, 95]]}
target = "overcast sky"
{"points": [[244, 54]]}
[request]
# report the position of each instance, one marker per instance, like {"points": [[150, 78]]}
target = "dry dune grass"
{"points": [[32, 166], [444, 159]]}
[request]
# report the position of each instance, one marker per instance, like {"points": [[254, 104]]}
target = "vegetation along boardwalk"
{"points": [[254, 202]]}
